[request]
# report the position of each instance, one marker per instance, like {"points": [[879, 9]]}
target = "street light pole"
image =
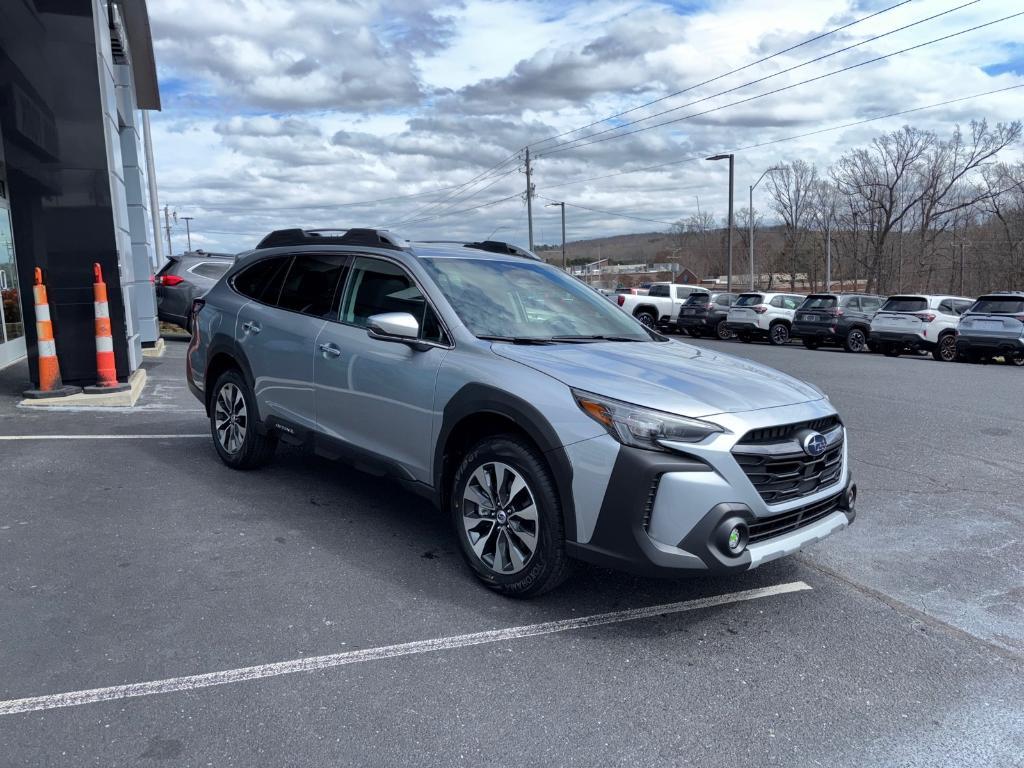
{"points": [[562, 206], [750, 219], [732, 159]]}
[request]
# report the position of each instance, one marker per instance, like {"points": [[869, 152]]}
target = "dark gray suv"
{"points": [[842, 319], [704, 314], [544, 421], [184, 278]]}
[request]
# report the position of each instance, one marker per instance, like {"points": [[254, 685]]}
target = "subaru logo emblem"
{"points": [[815, 444]]}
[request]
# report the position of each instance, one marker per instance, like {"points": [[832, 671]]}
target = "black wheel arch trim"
{"points": [[474, 399], [225, 345]]}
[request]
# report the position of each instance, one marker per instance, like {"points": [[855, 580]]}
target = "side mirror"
{"points": [[394, 326]]}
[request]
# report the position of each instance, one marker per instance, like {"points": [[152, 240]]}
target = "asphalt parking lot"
{"points": [[141, 558]]}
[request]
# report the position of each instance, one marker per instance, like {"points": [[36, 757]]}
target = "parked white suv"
{"points": [[763, 316], [918, 322], [660, 307]]}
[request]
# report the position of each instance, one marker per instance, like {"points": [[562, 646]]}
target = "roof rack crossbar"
{"points": [[377, 238]]}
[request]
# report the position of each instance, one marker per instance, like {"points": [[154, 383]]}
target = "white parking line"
{"points": [[193, 682], [103, 437]]}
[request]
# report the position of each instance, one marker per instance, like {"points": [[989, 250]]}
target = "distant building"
{"points": [[74, 75]]}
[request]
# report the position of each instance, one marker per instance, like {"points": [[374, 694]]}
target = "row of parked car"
{"points": [[949, 327]]}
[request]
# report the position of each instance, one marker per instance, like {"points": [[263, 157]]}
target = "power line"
{"points": [[726, 74], [762, 79], [786, 87], [789, 138], [608, 212], [466, 210], [451, 200]]}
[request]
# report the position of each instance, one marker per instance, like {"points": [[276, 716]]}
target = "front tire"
{"points": [[778, 334], [945, 350], [234, 424], [508, 518]]}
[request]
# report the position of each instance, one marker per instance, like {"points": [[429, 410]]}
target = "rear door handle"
{"points": [[251, 326], [330, 350]]}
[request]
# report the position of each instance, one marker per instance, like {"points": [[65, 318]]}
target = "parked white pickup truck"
{"points": [[660, 307]]}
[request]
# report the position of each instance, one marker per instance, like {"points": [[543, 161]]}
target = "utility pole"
{"points": [[188, 230], [828, 255], [562, 206], [167, 226], [963, 267], [529, 197]]}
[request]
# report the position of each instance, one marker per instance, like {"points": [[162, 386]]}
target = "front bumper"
{"points": [[669, 513]]}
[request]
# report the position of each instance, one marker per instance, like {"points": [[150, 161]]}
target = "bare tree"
{"points": [[792, 192]]}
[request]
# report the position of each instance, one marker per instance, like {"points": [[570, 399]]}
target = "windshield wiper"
{"points": [[519, 339], [596, 337]]}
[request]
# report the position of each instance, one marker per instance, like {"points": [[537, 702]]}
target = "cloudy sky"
{"points": [[407, 114]]}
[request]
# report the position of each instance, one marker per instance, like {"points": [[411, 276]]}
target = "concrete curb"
{"points": [[157, 350], [125, 399]]}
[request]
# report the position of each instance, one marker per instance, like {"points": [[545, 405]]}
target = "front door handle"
{"points": [[251, 326], [330, 350]]}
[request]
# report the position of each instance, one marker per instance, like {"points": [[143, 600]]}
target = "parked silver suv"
{"points": [[548, 424]]}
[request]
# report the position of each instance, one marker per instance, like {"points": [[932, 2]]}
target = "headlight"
{"points": [[642, 427]]}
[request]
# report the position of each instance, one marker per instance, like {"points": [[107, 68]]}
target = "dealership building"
{"points": [[76, 80]]}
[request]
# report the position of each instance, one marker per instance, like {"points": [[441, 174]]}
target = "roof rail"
{"points": [[377, 238]]}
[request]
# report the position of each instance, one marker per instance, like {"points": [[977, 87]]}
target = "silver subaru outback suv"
{"points": [[548, 424]]}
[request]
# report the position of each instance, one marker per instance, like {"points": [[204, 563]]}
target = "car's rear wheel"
{"points": [[234, 424], [722, 331], [856, 341], [647, 319], [945, 350], [779, 334], [508, 518], [1017, 359], [811, 343]]}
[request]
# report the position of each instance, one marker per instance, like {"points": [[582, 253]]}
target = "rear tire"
{"points": [[1017, 360], [778, 334], [234, 424], [647, 319], [723, 333], [508, 518], [811, 343], [856, 341], [945, 350]]}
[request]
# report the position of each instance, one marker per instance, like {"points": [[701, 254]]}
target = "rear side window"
{"points": [[262, 281], [999, 305], [658, 290], [311, 284], [870, 303], [905, 304], [725, 300], [749, 300], [697, 299], [210, 269], [961, 305]]}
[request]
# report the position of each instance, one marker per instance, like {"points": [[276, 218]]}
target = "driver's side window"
{"points": [[377, 286]]}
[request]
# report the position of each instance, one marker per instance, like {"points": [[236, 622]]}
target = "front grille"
{"points": [[780, 470], [786, 431], [766, 528]]}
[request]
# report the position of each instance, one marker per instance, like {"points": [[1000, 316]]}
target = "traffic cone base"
{"points": [[102, 389]]}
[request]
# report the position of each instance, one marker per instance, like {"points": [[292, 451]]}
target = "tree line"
{"points": [[911, 211]]}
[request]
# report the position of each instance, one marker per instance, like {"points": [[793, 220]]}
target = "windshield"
{"points": [[527, 300], [905, 304], [819, 302], [999, 305], [698, 299], [749, 300]]}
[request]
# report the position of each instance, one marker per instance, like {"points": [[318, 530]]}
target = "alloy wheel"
{"points": [[500, 517], [855, 341], [947, 349], [723, 333], [780, 334], [230, 418], [646, 319]]}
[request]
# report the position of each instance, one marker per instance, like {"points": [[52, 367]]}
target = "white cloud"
{"points": [[274, 106]]}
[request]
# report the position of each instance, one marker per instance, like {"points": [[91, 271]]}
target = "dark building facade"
{"points": [[74, 75]]}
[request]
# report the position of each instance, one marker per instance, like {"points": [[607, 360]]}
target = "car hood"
{"points": [[667, 376]]}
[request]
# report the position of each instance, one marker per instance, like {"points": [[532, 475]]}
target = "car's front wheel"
{"points": [[234, 424], [508, 518]]}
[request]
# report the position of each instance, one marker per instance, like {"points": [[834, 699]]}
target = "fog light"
{"points": [[735, 539]]}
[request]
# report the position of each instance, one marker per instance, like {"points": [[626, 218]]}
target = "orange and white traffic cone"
{"points": [[106, 367], [50, 384]]}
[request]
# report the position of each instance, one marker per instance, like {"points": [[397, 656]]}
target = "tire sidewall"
{"points": [[855, 333], [772, 331], [243, 457], [551, 536]]}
